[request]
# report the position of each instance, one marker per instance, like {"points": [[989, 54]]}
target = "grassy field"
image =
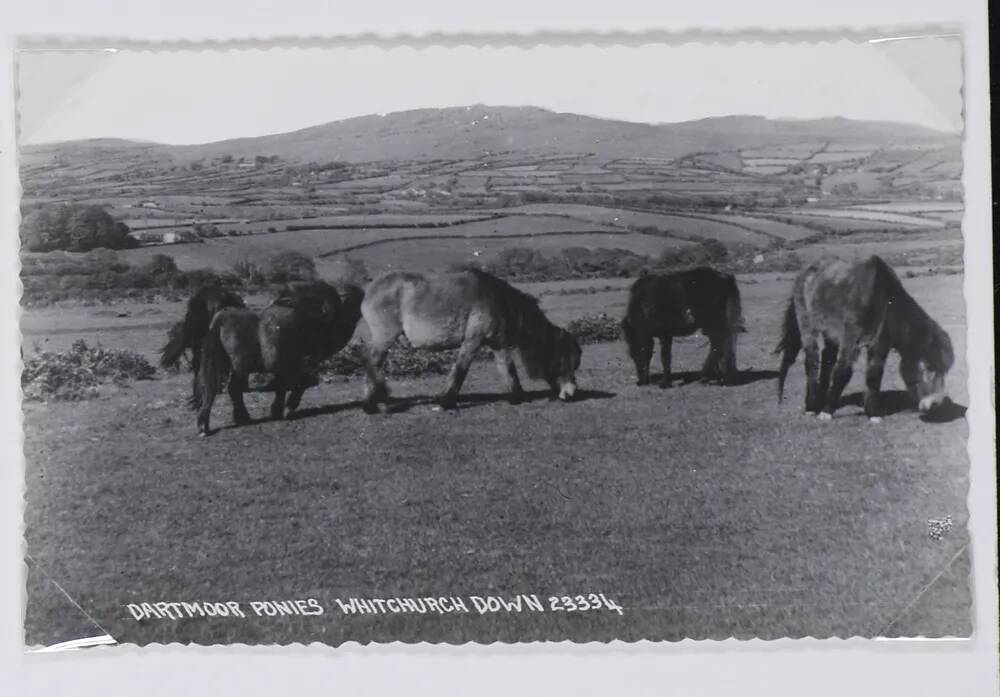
{"points": [[872, 215], [222, 252], [706, 512]]}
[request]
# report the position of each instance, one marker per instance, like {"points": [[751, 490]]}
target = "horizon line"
{"points": [[799, 119]]}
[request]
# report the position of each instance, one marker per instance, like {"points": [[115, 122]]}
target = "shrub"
{"points": [[75, 228], [250, 271], [75, 374], [290, 265], [199, 278], [161, 265], [703, 252], [403, 361], [595, 329], [207, 230]]}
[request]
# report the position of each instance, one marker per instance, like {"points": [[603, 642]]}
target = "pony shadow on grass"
{"points": [[474, 399], [306, 413], [742, 377], [898, 401], [325, 410]]}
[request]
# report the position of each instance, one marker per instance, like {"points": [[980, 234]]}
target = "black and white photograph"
{"points": [[578, 342]]}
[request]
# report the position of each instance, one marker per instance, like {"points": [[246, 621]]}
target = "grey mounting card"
{"points": [[482, 342]]}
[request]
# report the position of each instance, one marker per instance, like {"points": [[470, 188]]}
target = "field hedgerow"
{"points": [[595, 329], [76, 374]]}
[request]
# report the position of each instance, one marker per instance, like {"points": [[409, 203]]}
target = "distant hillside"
{"points": [[459, 133]]}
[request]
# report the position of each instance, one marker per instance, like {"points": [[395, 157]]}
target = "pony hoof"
{"points": [[825, 416], [875, 420]]}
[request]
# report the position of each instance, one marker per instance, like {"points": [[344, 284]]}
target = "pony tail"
{"points": [[628, 323], [177, 341], [734, 309], [789, 346], [733, 314], [213, 369]]}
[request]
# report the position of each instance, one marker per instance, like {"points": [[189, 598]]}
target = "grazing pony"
{"points": [[855, 305], [678, 304], [466, 310], [189, 333], [305, 323]]}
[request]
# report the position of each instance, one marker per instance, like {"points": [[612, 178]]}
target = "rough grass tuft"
{"points": [[595, 329], [403, 361], [75, 374]]}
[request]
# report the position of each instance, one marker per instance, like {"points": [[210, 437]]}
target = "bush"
{"points": [[403, 361], [250, 271], [161, 265], [100, 276], [207, 230], [290, 265], [703, 252], [75, 228], [595, 329], [76, 374], [199, 278]]}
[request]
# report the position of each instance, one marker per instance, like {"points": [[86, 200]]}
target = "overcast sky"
{"points": [[201, 96]]}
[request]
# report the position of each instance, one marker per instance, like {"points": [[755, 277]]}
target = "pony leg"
{"points": [[237, 386], [195, 368], [449, 398], [304, 382], [666, 344], [840, 376], [727, 360], [294, 399], [827, 358], [642, 355], [710, 368], [278, 405], [376, 390], [873, 381], [814, 396], [508, 371], [205, 412], [909, 370]]}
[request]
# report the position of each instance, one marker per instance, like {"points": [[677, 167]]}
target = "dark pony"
{"points": [[332, 311], [189, 333], [679, 304], [305, 324], [855, 305], [466, 311]]}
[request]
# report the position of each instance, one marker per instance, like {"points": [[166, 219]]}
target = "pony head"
{"points": [[562, 364], [938, 357], [925, 369]]}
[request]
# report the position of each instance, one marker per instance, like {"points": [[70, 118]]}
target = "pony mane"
{"points": [[523, 325], [520, 316], [914, 332]]}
